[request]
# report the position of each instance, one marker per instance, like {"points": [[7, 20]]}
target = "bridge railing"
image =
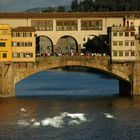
{"points": [[74, 58]]}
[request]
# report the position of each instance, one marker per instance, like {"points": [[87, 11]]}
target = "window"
{"points": [[21, 44], [14, 44], [28, 34], [14, 55], [66, 25], [28, 55], [42, 25], [4, 55], [126, 33], [17, 55], [132, 43], [114, 33], [98, 25], [21, 34], [120, 33], [114, 53], [2, 44], [13, 34], [126, 43], [28, 44], [16, 34], [132, 34], [21, 55], [127, 53], [114, 43], [132, 24], [120, 53], [91, 25], [132, 53], [120, 43]]}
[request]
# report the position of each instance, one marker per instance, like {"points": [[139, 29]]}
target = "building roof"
{"points": [[23, 29], [69, 14]]}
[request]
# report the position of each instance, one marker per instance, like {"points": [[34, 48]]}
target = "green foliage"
{"points": [[49, 9], [74, 5], [99, 6], [60, 9], [55, 9], [105, 5], [97, 45]]}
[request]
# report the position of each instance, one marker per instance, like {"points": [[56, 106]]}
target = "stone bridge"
{"points": [[126, 73]]}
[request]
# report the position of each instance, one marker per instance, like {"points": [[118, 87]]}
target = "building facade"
{"points": [[67, 32], [55, 26], [17, 44], [5, 43], [23, 44], [123, 46], [133, 20]]}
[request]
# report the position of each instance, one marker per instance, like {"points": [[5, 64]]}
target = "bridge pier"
{"points": [[7, 86], [124, 88], [79, 49], [136, 79]]}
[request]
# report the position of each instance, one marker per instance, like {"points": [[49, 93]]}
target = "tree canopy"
{"points": [[105, 5]]}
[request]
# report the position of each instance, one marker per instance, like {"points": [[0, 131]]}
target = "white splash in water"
{"points": [[79, 116], [33, 120], [45, 122], [23, 123], [57, 121], [74, 122], [23, 109], [36, 124], [109, 116]]}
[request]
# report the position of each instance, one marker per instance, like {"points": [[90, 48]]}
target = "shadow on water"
{"points": [[64, 83]]}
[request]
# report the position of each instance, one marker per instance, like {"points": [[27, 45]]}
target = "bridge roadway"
{"points": [[13, 72]]}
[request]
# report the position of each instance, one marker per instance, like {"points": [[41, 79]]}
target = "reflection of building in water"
{"points": [[66, 44]]}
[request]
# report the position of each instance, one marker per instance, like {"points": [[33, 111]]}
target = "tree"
{"points": [[60, 9], [74, 5], [49, 9], [93, 45]]}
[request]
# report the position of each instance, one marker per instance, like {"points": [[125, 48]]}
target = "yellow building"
{"points": [[23, 44], [137, 38], [123, 46], [5, 43]]}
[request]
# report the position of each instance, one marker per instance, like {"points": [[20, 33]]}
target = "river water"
{"points": [[58, 105]]}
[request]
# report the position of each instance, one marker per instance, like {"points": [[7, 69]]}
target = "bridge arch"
{"points": [[44, 45], [98, 63], [124, 83], [66, 44], [57, 62]]}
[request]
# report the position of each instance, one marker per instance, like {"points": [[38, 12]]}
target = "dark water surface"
{"points": [[69, 106]]}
